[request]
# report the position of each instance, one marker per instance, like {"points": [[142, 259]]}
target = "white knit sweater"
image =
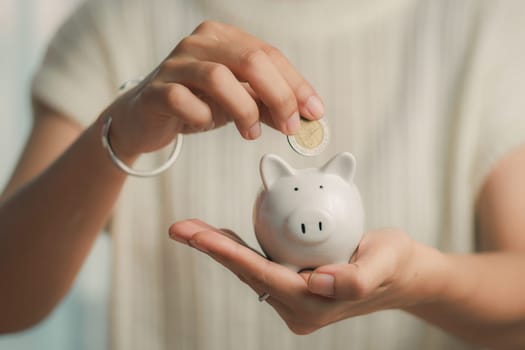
{"points": [[427, 95]]}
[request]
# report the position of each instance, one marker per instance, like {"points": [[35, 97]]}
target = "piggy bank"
{"points": [[305, 218]]}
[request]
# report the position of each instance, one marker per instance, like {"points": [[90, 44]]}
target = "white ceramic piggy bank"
{"points": [[310, 217]]}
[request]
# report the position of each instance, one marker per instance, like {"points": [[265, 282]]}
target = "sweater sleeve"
{"points": [[90, 56], [499, 95]]}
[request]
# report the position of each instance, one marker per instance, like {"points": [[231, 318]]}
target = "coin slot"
{"points": [[303, 228], [320, 226]]}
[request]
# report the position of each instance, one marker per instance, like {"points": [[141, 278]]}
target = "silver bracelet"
{"points": [[130, 171]]}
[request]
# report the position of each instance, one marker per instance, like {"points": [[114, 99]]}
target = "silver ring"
{"points": [[130, 171], [263, 297]]}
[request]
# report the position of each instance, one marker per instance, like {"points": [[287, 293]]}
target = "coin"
{"points": [[312, 137]]}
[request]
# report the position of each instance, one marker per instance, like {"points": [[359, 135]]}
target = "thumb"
{"points": [[371, 268]]}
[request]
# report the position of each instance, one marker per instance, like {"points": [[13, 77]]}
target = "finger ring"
{"points": [[263, 297]]}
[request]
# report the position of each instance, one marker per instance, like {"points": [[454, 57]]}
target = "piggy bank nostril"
{"points": [[303, 227]]}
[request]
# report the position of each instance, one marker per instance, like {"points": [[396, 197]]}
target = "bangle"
{"points": [[130, 171]]}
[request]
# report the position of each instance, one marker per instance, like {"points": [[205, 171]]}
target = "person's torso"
{"points": [[389, 76]]}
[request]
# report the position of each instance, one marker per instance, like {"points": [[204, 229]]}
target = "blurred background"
{"points": [[82, 318]]}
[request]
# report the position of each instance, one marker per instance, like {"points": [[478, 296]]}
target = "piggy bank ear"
{"points": [[272, 168], [343, 164]]}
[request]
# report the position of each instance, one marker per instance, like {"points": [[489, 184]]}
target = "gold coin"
{"points": [[311, 139]]}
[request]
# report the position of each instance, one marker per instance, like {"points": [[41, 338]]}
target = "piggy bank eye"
{"points": [[321, 186], [296, 188]]}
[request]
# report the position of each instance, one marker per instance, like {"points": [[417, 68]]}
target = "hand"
{"points": [[216, 75], [389, 270]]}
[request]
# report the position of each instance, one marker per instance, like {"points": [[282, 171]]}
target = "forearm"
{"points": [[482, 299], [48, 226]]}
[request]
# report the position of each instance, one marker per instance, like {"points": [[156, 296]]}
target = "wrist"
{"points": [[121, 163], [112, 140], [121, 134], [430, 280]]}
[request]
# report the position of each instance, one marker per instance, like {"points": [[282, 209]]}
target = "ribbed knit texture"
{"points": [[427, 95]]}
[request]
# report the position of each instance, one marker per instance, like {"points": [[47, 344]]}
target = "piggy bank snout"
{"points": [[309, 225]]}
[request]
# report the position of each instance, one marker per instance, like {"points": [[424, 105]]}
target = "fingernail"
{"points": [[322, 284], [315, 106], [293, 124], [254, 131], [194, 244]]}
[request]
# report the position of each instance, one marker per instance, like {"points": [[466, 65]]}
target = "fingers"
{"points": [[232, 235], [183, 231], [310, 105], [373, 267], [346, 281], [249, 62], [253, 269], [177, 100], [225, 57], [216, 75], [216, 81], [255, 67], [371, 272]]}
